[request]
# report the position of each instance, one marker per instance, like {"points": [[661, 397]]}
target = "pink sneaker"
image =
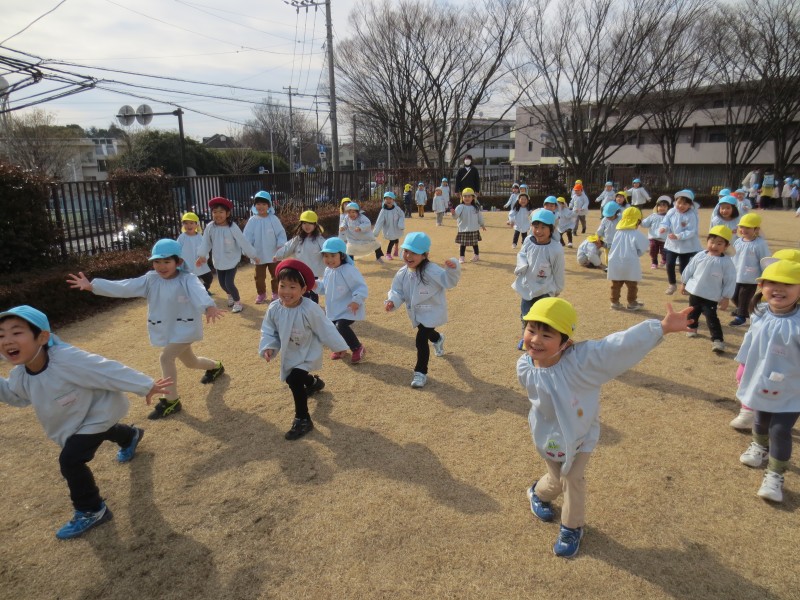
{"points": [[337, 355], [358, 354], [389, 257], [475, 258], [261, 299], [653, 266], [274, 295]]}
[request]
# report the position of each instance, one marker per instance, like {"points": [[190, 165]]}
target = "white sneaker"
{"points": [[438, 347], [691, 334], [744, 420], [569, 245], [772, 487], [237, 307], [616, 306], [754, 456], [420, 379], [718, 346], [513, 246], [230, 300], [636, 306], [461, 259], [475, 258], [671, 289]]}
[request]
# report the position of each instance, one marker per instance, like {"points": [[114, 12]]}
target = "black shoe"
{"points": [[315, 387], [212, 374], [165, 408], [300, 427]]}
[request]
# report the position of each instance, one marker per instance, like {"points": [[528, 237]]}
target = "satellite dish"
{"points": [[144, 114], [126, 116]]}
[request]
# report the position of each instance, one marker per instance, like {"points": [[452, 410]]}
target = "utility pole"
{"points": [[291, 132]]}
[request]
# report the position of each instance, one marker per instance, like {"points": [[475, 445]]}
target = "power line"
{"points": [[39, 18]]}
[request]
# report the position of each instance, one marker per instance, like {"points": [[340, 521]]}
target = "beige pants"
{"points": [[633, 291], [572, 485], [260, 276], [182, 352]]}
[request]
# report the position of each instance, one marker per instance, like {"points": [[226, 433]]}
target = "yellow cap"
{"points": [[785, 254], [561, 199], [750, 220], [593, 238], [721, 231], [782, 271], [467, 192], [309, 216], [557, 313], [345, 201], [190, 216], [630, 218], [578, 182], [622, 193]]}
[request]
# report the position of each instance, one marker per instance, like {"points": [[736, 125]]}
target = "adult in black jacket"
{"points": [[468, 177]]}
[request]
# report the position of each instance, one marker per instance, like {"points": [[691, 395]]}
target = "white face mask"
{"points": [[467, 163]]}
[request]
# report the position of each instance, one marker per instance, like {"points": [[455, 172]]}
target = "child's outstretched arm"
{"points": [[160, 387], [213, 313], [674, 322], [79, 282]]}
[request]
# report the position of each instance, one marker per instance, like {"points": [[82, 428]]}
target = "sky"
{"points": [[266, 45]]}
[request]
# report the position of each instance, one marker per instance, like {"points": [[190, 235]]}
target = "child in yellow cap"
{"points": [[750, 248], [306, 246], [564, 414], [190, 240], [589, 252], [770, 383], [624, 266]]}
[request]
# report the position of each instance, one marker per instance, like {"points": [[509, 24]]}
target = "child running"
{"points": [[566, 221], [608, 225], [391, 222], [470, 221], [358, 234], [726, 213], [750, 248], [681, 226], [226, 240], [770, 382], [306, 246], [345, 291], [512, 198], [190, 240], [540, 265], [579, 205], [607, 195], [654, 235], [519, 217], [298, 327], [439, 205], [624, 266], [563, 381], [343, 218], [266, 233], [176, 302], [709, 279], [421, 284], [79, 399]]}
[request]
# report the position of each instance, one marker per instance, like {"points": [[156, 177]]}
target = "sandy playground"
{"points": [[403, 493]]}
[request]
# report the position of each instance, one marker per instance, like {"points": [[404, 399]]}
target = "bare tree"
{"points": [[237, 160], [588, 66], [34, 142], [271, 118]]}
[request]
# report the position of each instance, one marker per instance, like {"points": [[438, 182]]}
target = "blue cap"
{"points": [[637, 181], [724, 192], [417, 242], [728, 200], [33, 316], [550, 200], [610, 209], [390, 195], [165, 249], [334, 245], [685, 194], [756, 186], [420, 183], [542, 215], [262, 196], [611, 183], [796, 182], [444, 179], [351, 206]]}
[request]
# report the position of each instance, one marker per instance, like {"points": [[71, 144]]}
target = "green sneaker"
{"points": [[212, 374], [165, 408]]}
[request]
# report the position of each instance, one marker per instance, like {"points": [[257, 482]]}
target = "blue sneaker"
{"points": [[737, 322], [126, 454], [543, 510], [568, 542], [83, 521]]}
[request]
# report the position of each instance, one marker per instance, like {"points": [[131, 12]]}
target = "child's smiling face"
{"points": [[523, 200], [290, 292], [781, 297], [467, 198], [662, 207], [308, 227], [412, 259], [725, 210], [716, 245], [748, 234], [262, 208], [18, 345], [332, 259], [167, 268], [352, 214], [190, 227], [543, 344], [541, 232], [683, 204], [220, 215]]}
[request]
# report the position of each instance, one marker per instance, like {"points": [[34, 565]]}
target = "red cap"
{"points": [[305, 271], [220, 201]]}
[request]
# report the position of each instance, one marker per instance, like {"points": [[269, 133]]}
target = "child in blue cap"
{"points": [[421, 284], [176, 302], [79, 399]]}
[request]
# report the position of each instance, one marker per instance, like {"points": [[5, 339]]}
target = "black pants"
{"points": [[425, 335], [779, 428], [463, 249], [343, 327], [582, 222], [207, 279], [518, 234], [78, 450], [742, 295], [392, 244], [709, 309], [681, 259], [298, 381], [313, 296], [569, 236]]}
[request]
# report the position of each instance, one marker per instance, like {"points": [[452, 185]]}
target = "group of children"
{"points": [[79, 397]]}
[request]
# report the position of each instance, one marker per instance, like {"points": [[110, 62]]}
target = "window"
{"points": [[530, 146], [101, 166], [717, 136], [548, 152]]}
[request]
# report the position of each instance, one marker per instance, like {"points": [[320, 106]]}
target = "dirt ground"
{"points": [[404, 493]]}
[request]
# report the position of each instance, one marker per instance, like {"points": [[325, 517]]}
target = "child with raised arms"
{"points": [[358, 233], [391, 222], [190, 239], [176, 303], [563, 381], [306, 246], [607, 195], [266, 234], [345, 291], [297, 328], [519, 217], [512, 197], [79, 399], [226, 240], [770, 381], [421, 285]]}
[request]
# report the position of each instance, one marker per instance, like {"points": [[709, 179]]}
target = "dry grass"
{"points": [[407, 493]]}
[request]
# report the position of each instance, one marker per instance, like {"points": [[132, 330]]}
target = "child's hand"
{"points": [[662, 230], [450, 264], [79, 282], [268, 354], [200, 261], [160, 387], [674, 322], [353, 307], [388, 306], [683, 290], [483, 228], [672, 236], [213, 313], [257, 260], [357, 230], [723, 304]]}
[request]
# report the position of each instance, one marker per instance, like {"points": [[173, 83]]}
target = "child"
{"points": [[638, 195], [343, 217], [710, 279], [621, 198], [563, 380], [512, 198], [770, 382], [358, 234], [439, 205], [421, 284], [190, 245], [742, 201], [750, 248], [607, 195], [726, 213], [391, 222], [298, 327], [519, 219], [470, 222], [176, 302], [224, 237], [566, 221], [680, 225], [654, 235], [345, 291], [306, 246], [445, 186], [579, 204], [624, 266], [78, 398], [406, 200], [608, 226], [589, 252], [540, 264], [421, 198], [266, 233], [753, 194]]}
